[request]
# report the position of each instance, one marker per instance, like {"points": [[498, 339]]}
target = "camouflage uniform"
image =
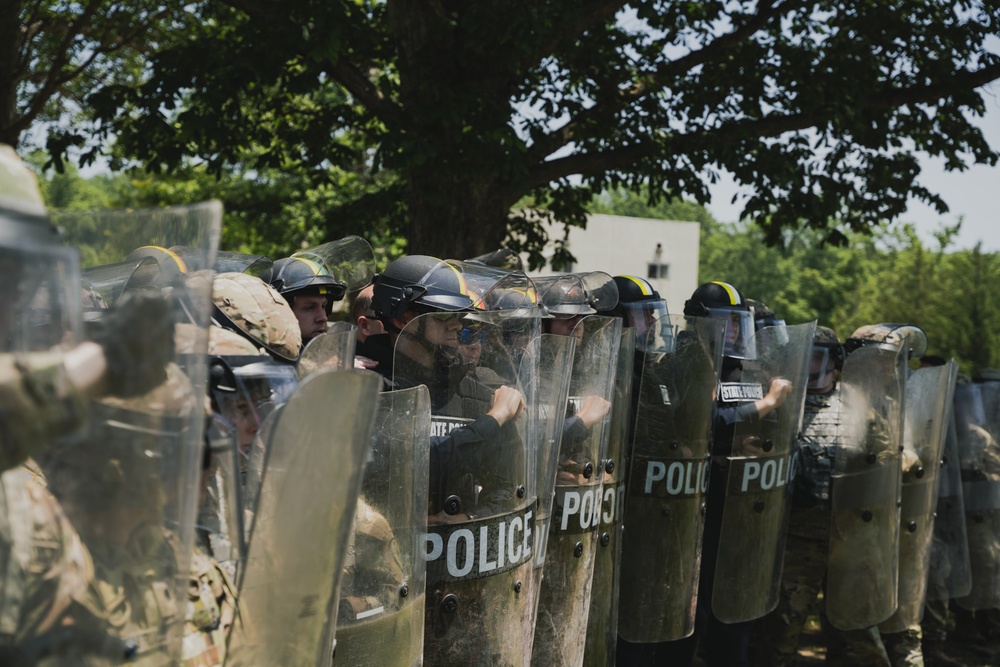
{"points": [[34, 387], [807, 551], [211, 614]]}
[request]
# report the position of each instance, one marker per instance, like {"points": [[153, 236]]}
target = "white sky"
{"points": [[973, 194]]}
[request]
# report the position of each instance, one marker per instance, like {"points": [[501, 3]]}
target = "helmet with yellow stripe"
{"points": [[642, 308], [723, 301], [420, 282], [329, 270]]}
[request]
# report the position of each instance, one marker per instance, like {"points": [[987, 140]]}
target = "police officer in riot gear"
{"points": [[727, 643], [312, 280]]}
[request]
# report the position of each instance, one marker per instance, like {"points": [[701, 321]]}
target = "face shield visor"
{"points": [[245, 390], [651, 323], [822, 364], [340, 266], [738, 339], [498, 289]]}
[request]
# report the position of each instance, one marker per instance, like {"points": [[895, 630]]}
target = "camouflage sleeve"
{"points": [[37, 403]]}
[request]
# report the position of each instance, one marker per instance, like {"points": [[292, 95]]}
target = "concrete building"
{"points": [[664, 252]]}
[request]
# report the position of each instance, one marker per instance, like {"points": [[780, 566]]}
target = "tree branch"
{"points": [[367, 93], [655, 80]]}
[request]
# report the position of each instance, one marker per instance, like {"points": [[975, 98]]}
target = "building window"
{"points": [[658, 271]]}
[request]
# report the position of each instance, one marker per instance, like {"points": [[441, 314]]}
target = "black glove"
{"points": [[138, 340]]}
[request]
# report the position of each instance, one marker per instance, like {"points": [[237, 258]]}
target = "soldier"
{"points": [[43, 394], [312, 280]]}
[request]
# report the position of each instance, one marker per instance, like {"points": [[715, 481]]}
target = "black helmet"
{"points": [[329, 270], [722, 300], [419, 280], [642, 308]]}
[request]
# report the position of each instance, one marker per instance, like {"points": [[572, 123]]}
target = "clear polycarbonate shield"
{"points": [[758, 489], [865, 490], [949, 574], [349, 262], [668, 480], [927, 405], [602, 622], [302, 524], [333, 349], [225, 261], [738, 341], [482, 498], [504, 258], [380, 622], [977, 415], [42, 307], [551, 379], [129, 483], [493, 288], [219, 529], [561, 620]]}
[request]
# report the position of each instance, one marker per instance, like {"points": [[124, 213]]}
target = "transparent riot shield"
{"points": [[602, 621], [129, 482], [380, 621], [334, 349], [865, 489], [928, 399], [977, 411], [564, 599], [219, 529], [668, 480], [301, 528], [758, 489], [482, 494], [552, 388], [949, 575]]}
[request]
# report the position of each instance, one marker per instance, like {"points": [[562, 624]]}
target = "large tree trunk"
{"points": [[10, 38], [455, 217]]}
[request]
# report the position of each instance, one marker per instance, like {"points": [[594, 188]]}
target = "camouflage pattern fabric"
{"points": [[34, 387], [807, 552], [44, 566], [904, 648], [259, 311], [211, 612]]}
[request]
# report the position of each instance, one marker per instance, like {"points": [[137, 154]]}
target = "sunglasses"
{"points": [[467, 335]]}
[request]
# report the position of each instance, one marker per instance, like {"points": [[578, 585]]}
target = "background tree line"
{"points": [[891, 275]]}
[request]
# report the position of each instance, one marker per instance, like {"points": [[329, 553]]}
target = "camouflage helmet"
{"points": [[252, 308], [825, 336], [889, 334]]}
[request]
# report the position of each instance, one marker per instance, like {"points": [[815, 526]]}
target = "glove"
{"points": [[138, 341]]}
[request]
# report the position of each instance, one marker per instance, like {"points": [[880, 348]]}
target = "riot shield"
{"points": [[219, 529], [928, 399], [301, 527], [381, 610], [668, 480], [977, 411], [602, 621], [334, 349], [348, 264], [865, 489], [129, 482], [758, 493], [552, 388], [949, 575], [564, 599], [482, 495]]}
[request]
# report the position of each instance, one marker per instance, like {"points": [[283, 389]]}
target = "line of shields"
{"points": [[398, 528]]}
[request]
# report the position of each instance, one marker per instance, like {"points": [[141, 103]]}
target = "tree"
{"points": [[820, 108], [53, 54]]}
